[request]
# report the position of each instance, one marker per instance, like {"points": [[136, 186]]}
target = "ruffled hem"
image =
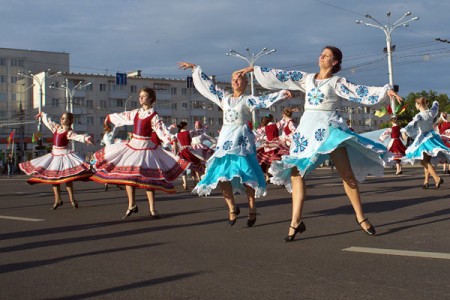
{"points": [[366, 158], [79, 177], [239, 170], [136, 181]]}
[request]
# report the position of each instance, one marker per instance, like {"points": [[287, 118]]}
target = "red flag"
{"points": [[11, 138], [389, 109]]}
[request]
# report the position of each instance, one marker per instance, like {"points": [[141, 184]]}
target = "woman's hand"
{"points": [[288, 94], [244, 71], [393, 94], [185, 65], [89, 140], [38, 115]]}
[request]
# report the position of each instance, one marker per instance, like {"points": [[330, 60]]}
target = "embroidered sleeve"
{"points": [[366, 95], [82, 138], [207, 87], [161, 130], [265, 101], [385, 134], [280, 79], [52, 126], [124, 118], [412, 128], [434, 110]]}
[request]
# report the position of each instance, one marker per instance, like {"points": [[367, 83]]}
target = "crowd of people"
{"points": [[244, 159]]}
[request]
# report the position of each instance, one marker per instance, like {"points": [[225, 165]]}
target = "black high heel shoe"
{"points": [[425, 186], [130, 211], [154, 214], [370, 230], [438, 184], [251, 222], [56, 205], [299, 229], [236, 213], [74, 204]]}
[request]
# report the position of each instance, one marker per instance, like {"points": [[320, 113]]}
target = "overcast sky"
{"points": [[106, 36]]}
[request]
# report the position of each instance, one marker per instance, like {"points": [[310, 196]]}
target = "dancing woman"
{"points": [[62, 165], [141, 162], [321, 133], [443, 125], [234, 166], [396, 146], [427, 147], [185, 151]]}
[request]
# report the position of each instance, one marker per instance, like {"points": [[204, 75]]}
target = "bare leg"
{"points": [[69, 188], [131, 193], [342, 163], [399, 167], [185, 184], [251, 205], [227, 192], [57, 192], [298, 198], [429, 169], [151, 203]]}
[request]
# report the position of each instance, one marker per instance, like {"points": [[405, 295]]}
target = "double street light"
{"points": [[251, 58], [388, 29], [39, 80], [70, 92]]}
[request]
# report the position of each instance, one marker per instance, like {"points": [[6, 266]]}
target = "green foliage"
{"points": [[431, 96]]}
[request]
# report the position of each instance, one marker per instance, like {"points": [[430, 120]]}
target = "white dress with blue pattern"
{"points": [[321, 129], [426, 139], [234, 158]]}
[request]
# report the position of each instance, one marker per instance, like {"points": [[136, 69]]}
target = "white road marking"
{"points": [[399, 252], [21, 219]]}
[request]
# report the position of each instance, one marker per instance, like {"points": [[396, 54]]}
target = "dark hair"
{"points": [[288, 112], [422, 101], [151, 94], [69, 117], [181, 125], [337, 55], [266, 119]]}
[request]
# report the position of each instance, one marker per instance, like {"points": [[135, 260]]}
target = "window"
{"points": [[89, 88], [173, 90], [119, 102], [2, 61], [77, 119], [133, 104], [184, 91], [2, 96], [103, 103], [102, 87], [55, 102], [2, 78], [174, 106], [90, 103], [14, 79], [90, 120], [197, 104], [133, 89], [184, 105], [17, 62]]}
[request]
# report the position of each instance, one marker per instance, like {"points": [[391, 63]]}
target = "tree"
{"points": [[431, 96]]}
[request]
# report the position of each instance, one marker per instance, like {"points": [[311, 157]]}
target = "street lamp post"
{"points": [[40, 81], [69, 93], [129, 98], [388, 29], [251, 58]]}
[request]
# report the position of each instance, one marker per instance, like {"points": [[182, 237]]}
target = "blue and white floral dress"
{"points": [[426, 139], [234, 158], [321, 129]]}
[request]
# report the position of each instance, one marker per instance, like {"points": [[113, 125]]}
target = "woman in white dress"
{"points": [[322, 134], [234, 165], [141, 162], [62, 165], [427, 147]]}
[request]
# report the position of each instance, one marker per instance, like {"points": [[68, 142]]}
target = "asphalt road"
{"points": [[190, 253]]}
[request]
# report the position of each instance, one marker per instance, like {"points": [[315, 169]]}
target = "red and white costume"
{"points": [[395, 145], [287, 131], [185, 151], [62, 164], [272, 147], [199, 149], [444, 132], [140, 162]]}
